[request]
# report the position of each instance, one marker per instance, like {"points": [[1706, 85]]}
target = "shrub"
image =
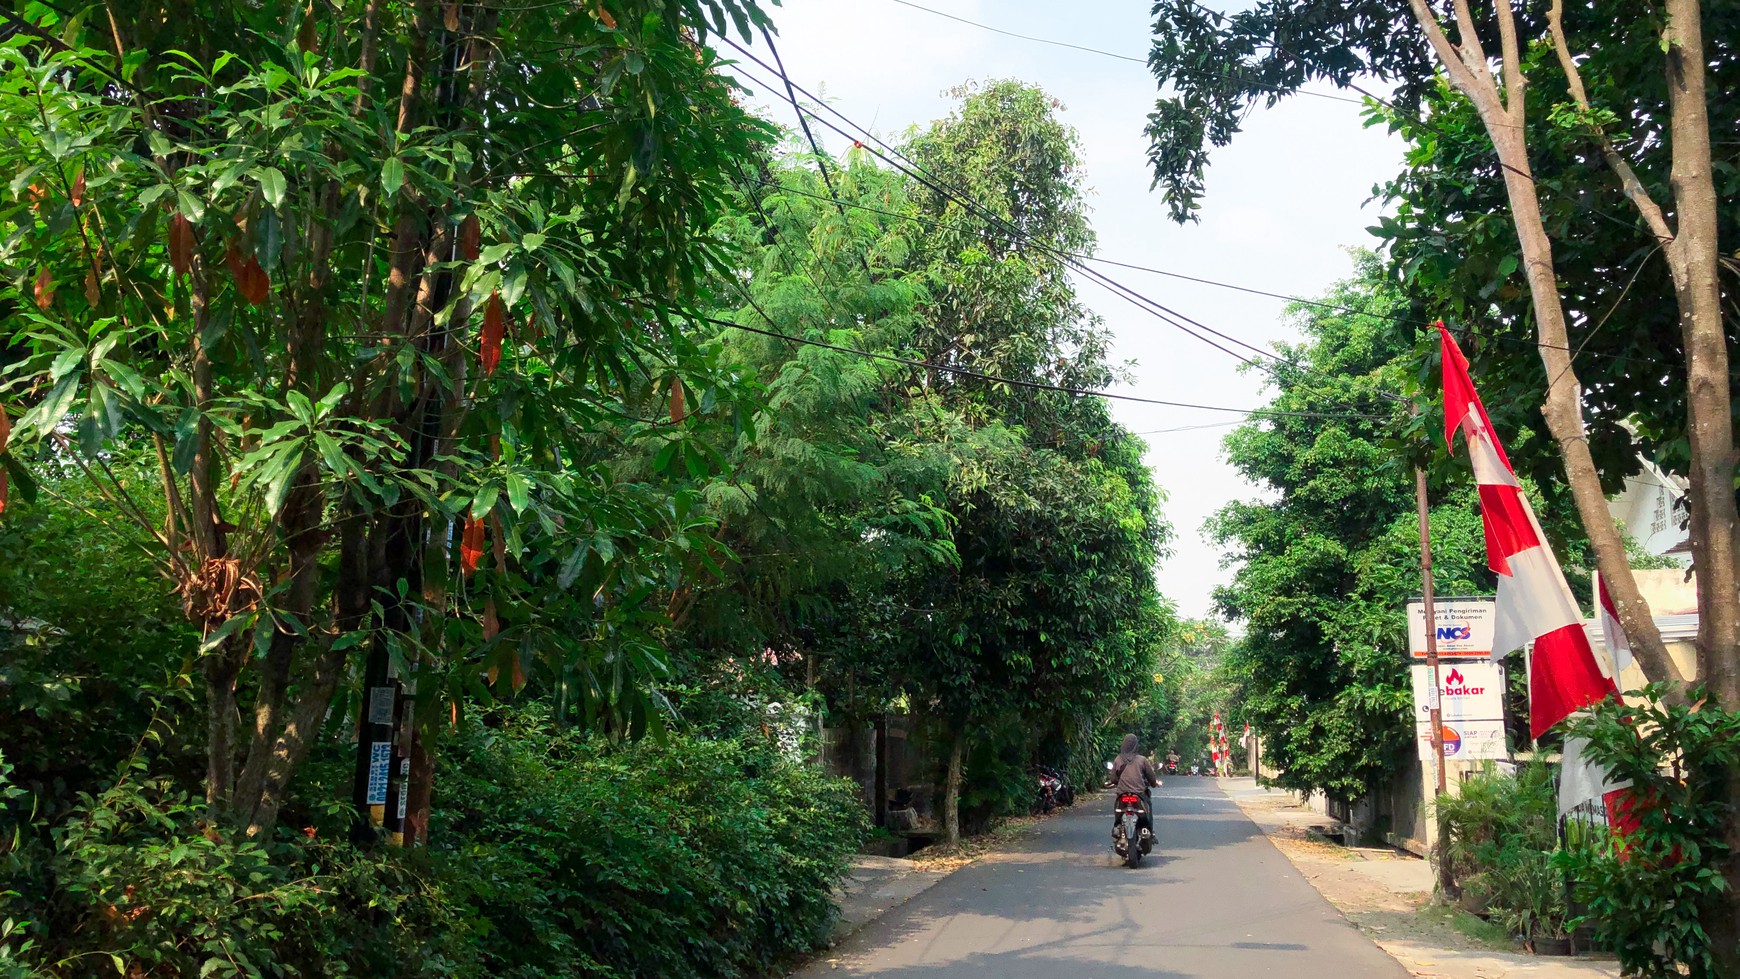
{"points": [[553, 854], [1494, 811], [135, 881], [1649, 892], [1500, 833]]}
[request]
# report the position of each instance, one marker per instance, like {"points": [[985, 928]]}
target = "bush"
{"points": [[1649, 893], [692, 858], [1500, 833], [553, 854]]}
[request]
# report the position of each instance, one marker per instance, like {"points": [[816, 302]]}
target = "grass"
{"points": [[1470, 926]]}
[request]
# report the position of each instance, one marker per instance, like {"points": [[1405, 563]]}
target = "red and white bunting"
{"points": [[1534, 603]]}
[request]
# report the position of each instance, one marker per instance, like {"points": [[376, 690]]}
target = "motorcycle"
{"points": [[1054, 790], [1172, 768], [1050, 792], [1130, 839]]}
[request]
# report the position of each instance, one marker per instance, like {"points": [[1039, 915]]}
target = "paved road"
{"points": [[1214, 901]]}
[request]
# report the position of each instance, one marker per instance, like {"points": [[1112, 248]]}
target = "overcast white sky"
{"points": [[1283, 202]]}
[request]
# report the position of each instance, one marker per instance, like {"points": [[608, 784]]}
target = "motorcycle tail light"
{"points": [[1129, 799]]}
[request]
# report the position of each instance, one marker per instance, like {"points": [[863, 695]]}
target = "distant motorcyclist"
{"points": [[1133, 774]]}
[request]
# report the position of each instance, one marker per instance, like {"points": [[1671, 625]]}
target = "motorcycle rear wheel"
{"points": [[1132, 842]]}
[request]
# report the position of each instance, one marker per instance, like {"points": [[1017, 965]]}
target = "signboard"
{"points": [[1464, 741], [1464, 627], [380, 705], [380, 757], [1467, 691]]}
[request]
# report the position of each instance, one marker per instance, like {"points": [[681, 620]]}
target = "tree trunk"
{"points": [[222, 666], [1693, 256], [951, 802], [1563, 412], [1692, 251], [879, 797]]}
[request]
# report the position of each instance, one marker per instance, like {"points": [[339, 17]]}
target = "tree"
{"points": [[363, 286], [1059, 528], [1324, 570], [1653, 135], [979, 550]]}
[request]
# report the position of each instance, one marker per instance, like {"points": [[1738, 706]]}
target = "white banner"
{"points": [[1465, 741], [1467, 691], [1464, 627]]}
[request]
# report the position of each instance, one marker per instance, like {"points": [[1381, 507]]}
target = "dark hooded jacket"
{"points": [[1132, 771]]}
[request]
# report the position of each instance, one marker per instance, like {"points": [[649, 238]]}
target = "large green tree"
{"points": [[337, 308], [914, 531], [1326, 566]]}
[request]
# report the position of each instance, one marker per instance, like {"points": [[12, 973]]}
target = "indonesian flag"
{"points": [[1534, 603], [1612, 634]]}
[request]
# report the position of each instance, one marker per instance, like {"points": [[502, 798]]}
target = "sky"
{"points": [[1283, 204]]}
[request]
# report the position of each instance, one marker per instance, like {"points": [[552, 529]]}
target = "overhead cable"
{"points": [[1153, 307], [912, 169], [1078, 47]]}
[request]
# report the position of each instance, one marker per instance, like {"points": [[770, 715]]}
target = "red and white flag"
{"points": [[1534, 603], [1612, 634]]}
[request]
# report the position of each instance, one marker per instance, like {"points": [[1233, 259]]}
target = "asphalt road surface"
{"points": [[1215, 900]]}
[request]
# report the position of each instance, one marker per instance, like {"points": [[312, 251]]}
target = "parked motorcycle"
{"points": [[1050, 792], [1061, 788]]}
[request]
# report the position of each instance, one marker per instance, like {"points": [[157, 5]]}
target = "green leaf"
{"points": [[392, 175], [271, 185], [484, 500], [519, 492]]}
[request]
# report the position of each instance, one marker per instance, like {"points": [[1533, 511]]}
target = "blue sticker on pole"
{"points": [[380, 757]]}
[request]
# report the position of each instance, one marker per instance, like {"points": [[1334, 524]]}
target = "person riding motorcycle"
{"points": [[1133, 774]]}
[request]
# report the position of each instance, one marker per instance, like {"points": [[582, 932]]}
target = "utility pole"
{"points": [[1435, 712]]}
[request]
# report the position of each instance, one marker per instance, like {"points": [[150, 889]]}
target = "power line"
{"points": [[1011, 381], [821, 158], [1413, 117], [1171, 317], [1078, 47], [1014, 234]]}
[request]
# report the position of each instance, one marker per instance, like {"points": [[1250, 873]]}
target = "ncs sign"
{"points": [[1463, 629]]}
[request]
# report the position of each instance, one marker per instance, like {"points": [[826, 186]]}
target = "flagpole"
{"points": [[1435, 713]]}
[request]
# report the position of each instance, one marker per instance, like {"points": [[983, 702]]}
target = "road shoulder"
{"points": [[876, 885], [1387, 896]]}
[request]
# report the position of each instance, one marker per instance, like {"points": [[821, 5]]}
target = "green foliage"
{"points": [[1499, 835], [297, 231], [909, 535], [555, 854], [693, 858], [1326, 567], [137, 878], [1194, 678], [1649, 893]]}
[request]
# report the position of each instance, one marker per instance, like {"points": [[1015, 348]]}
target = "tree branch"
{"points": [[1628, 182]]}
